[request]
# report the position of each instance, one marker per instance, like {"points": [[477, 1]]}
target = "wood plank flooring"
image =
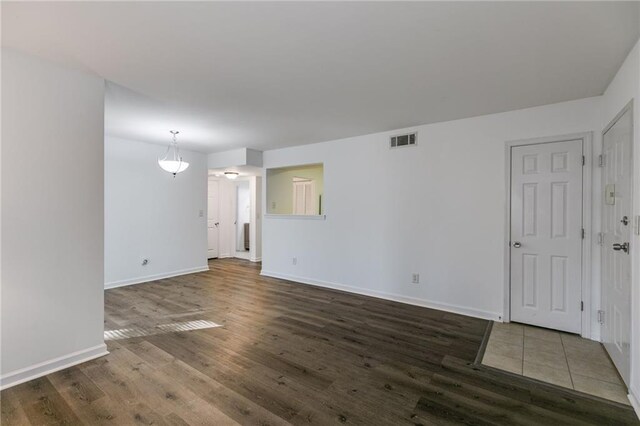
{"points": [[289, 353]]}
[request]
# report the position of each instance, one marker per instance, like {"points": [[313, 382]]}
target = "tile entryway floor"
{"points": [[554, 357]]}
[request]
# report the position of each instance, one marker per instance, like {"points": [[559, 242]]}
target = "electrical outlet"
{"points": [[415, 278], [273, 204], [201, 213], [145, 262], [294, 260]]}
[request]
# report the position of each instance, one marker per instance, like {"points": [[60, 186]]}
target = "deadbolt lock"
{"points": [[621, 247], [625, 220]]}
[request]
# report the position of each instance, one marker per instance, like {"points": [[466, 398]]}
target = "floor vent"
{"points": [[409, 139]]}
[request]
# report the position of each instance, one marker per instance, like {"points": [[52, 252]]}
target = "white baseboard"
{"points": [[52, 365], [256, 259], [462, 310], [634, 398], [139, 280], [244, 255]]}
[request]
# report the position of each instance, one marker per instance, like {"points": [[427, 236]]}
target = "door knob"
{"points": [[624, 247], [516, 244], [217, 223]]}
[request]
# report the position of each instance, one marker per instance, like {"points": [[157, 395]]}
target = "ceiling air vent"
{"points": [[409, 139]]}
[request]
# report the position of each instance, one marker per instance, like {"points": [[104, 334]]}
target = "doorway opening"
{"points": [[243, 220], [234, 215]]}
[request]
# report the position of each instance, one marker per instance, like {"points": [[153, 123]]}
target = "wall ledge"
{"points": [[456, 309], [147, 278], [52, 365], [296, 216]]}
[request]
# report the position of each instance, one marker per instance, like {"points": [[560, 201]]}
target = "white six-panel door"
{"points": [[213, 219], [546, 234], [616, 230]]}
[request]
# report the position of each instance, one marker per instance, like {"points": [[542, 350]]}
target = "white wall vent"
{"points": [[409, 139]]}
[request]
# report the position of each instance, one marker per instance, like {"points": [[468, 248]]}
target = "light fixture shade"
{"points": [[231, 175], [173, 166], [172, 162]]}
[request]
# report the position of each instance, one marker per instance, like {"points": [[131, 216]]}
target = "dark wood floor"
{"points": [[289, 354]]}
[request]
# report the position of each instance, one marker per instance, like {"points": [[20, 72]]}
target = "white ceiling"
{"points": [[266, 75]]}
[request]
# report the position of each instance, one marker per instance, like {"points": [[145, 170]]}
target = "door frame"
{"points": [[587, 186]]}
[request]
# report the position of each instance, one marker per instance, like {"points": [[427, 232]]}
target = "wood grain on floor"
{"points": [[288, 353]]}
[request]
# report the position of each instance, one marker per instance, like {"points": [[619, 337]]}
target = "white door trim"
{"points": [[587, 149]]}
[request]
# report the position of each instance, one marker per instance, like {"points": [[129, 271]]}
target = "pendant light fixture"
{"points": [[172, 161]]}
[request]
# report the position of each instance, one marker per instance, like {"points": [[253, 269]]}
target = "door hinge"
{"points": [[601, 316], [584, 160], [600, 238], [583, 233], [601, 160], [581, 306]]}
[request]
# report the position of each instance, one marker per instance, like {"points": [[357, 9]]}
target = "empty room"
{"points": [[316, 213]]}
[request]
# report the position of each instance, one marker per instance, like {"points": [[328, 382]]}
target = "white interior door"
{"points": [[546, 235], [213, 219], [616, 229], [304, 197]]}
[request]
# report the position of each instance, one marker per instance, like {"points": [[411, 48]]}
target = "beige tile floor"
{"points": [[559, 358]]}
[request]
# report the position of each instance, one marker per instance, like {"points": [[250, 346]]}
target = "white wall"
{"points": [[625, 87], [52, 217], [150, 214], [437, 209], [235, 158]]}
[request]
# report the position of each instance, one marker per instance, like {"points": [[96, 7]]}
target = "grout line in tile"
{"points": [[566, 360]]}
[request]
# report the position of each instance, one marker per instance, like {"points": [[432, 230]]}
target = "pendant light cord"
{"points": [[176, 152]]}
